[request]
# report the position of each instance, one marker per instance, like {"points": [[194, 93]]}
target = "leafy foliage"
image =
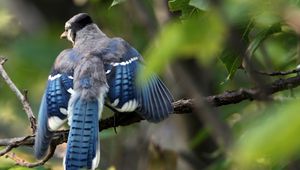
{"points": [[201, 35], [264, 28], [261, 36], [280, 128], [265, 133]]}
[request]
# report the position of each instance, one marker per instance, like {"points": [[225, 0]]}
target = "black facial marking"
{"points": [[80, 21]]}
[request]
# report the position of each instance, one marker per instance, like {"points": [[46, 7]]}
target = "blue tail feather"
{"points": [[43, 135], [83, 141]]}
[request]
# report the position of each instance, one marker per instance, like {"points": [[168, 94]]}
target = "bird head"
{"points": [[75, 24]]}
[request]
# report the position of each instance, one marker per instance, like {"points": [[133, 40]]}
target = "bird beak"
{"points": [[64, 35]]}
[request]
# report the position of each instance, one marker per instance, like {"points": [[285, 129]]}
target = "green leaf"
{"points": [[270, 141], [199, 138], [261, 36], [184, 6], [116, 2], [200, 4], [231, 61], [178, 5], [199, 37], [229, 57]]}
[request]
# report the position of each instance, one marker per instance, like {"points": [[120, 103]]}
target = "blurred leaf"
{"points": [[20, 168], [200, 4], [263, 13], [199, 37], [178, 5], [9, 28], [261, 36], [184, 6], [229, 57], [201, 135], [271, 141], [295, 2], [231, 61], [116, 2], [109, 133]]}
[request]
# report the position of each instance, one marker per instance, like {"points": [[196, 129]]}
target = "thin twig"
{"points": [[6, 150], [24, 163], [13, 144], [280, 73], [21, 97], [183, 106]]}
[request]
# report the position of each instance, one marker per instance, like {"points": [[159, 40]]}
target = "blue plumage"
{"points": [[96, 67], [67, 81], [54, 104], [43, 135], [58, 96], [155, 100], [83, 136], [152, 100], [53, 111]]}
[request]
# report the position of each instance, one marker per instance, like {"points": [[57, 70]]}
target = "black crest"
{"points": [[79, 21]]}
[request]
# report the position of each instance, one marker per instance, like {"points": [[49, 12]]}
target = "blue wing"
{"points": [[152, 100], [54, 104]]}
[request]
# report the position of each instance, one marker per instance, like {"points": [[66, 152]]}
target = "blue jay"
{"points": [[95, 70]]}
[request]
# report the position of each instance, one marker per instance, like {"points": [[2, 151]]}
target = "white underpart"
{"points": [[70, 90], [125, 106], [115, 103], [55, 122], [134, 104], [96, 160], [102, 94], [64, 162], [70, 77], [71, 103], [51, 78], [129, 106], [63, 111]]}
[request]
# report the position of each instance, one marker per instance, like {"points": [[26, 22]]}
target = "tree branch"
{"points": [[182, 106], [22, 162], [280, 73], [21, 97]]}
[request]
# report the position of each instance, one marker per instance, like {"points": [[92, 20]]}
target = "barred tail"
{"points": [[83, 148]]}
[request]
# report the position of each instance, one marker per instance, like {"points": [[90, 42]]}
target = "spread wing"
{"points": [[152, 100], [54, 104]]}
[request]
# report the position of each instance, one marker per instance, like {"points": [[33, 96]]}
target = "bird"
{"points": [[96, 70]]}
